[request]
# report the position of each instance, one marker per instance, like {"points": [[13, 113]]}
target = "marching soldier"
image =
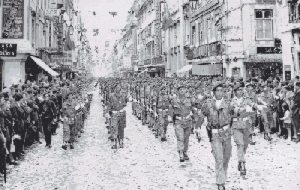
{"points": [[218, 112], [250, 93], [241, 125], [182, 106], [117, 104], [68, 112], [162, 106]]}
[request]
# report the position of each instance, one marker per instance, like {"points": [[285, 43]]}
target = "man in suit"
{"points": [[48, 114]]}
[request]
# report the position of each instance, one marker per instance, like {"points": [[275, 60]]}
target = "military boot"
{"points": [[242, 168], [181, 156], [186, 157], [121, 142], [64, 147], [267, 137], [221, 187], [252, 142], [156, 133], [115, 146]]}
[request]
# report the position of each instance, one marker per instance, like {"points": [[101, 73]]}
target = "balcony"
{"points": [[294, 16]]}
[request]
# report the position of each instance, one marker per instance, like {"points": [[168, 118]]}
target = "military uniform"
{"points": [[182, 107], [117, 103], [162, 107], [218, 113], [243, 109], [69, 115]]}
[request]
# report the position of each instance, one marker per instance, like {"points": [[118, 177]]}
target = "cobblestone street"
{"points": [[146, 163]]}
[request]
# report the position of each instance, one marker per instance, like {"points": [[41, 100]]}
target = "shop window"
{"points": [[264, 24], [200, 33]]}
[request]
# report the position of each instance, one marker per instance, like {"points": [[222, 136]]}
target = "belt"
{"points": [[162, 109], [181, 118], [240, 119], [118, 111], [221, 129]]}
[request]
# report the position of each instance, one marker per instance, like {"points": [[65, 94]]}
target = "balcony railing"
{"points": [[294, 18]]}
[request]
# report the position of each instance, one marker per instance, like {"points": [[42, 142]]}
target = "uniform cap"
{"points": [[219, 84]]}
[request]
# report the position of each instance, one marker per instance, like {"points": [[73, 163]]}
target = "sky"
{"points": [[103, 20]]}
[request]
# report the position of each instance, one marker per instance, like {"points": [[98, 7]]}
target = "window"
{"points": [[200, 33], [193, 35], [264, 24], [33, 32]]}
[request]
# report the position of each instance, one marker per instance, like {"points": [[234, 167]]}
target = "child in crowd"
{"points": [[286, 120]]}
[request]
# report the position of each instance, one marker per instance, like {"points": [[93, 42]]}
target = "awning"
{"points": [[44, 66], [185, 69], [152, 70], [146, 70], [207, 70]]}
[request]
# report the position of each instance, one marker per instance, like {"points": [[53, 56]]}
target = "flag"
{"points": [[106, 43], [96, 32]]}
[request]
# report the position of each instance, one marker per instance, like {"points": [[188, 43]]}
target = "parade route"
{"points": [[147, 163]]}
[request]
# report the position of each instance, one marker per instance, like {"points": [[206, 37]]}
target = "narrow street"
{"points": [[147, 163]]}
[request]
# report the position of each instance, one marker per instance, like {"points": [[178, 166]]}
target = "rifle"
{"points": [[4, 162], [209, 133]]}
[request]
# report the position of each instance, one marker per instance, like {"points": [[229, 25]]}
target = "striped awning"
{"points": [[44, 66]]}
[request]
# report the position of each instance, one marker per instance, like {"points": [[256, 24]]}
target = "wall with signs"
{"points": [[13, 19]]}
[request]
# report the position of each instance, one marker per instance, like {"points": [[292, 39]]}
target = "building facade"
{"points": [[38, 28], [290, 29], [149, 37], [235, 38]]}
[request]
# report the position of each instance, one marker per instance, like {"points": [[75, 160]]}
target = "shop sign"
{"points": [[210, 69], [287, 68], [65, 59], [8, 50], [53, 4], [13, 19], [52, 12]]}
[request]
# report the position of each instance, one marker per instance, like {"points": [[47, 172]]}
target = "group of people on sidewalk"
{"points": [[30, 110], [226, 107]]}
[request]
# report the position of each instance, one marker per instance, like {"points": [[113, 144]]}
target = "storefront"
{"points": [[36, 69], [152, 70], [264, 70], [185, 71], [208, 70], [157, 71]]}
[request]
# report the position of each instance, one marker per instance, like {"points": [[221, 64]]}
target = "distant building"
{"points": [[290, 28], [236, 38], [40, 29]]}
